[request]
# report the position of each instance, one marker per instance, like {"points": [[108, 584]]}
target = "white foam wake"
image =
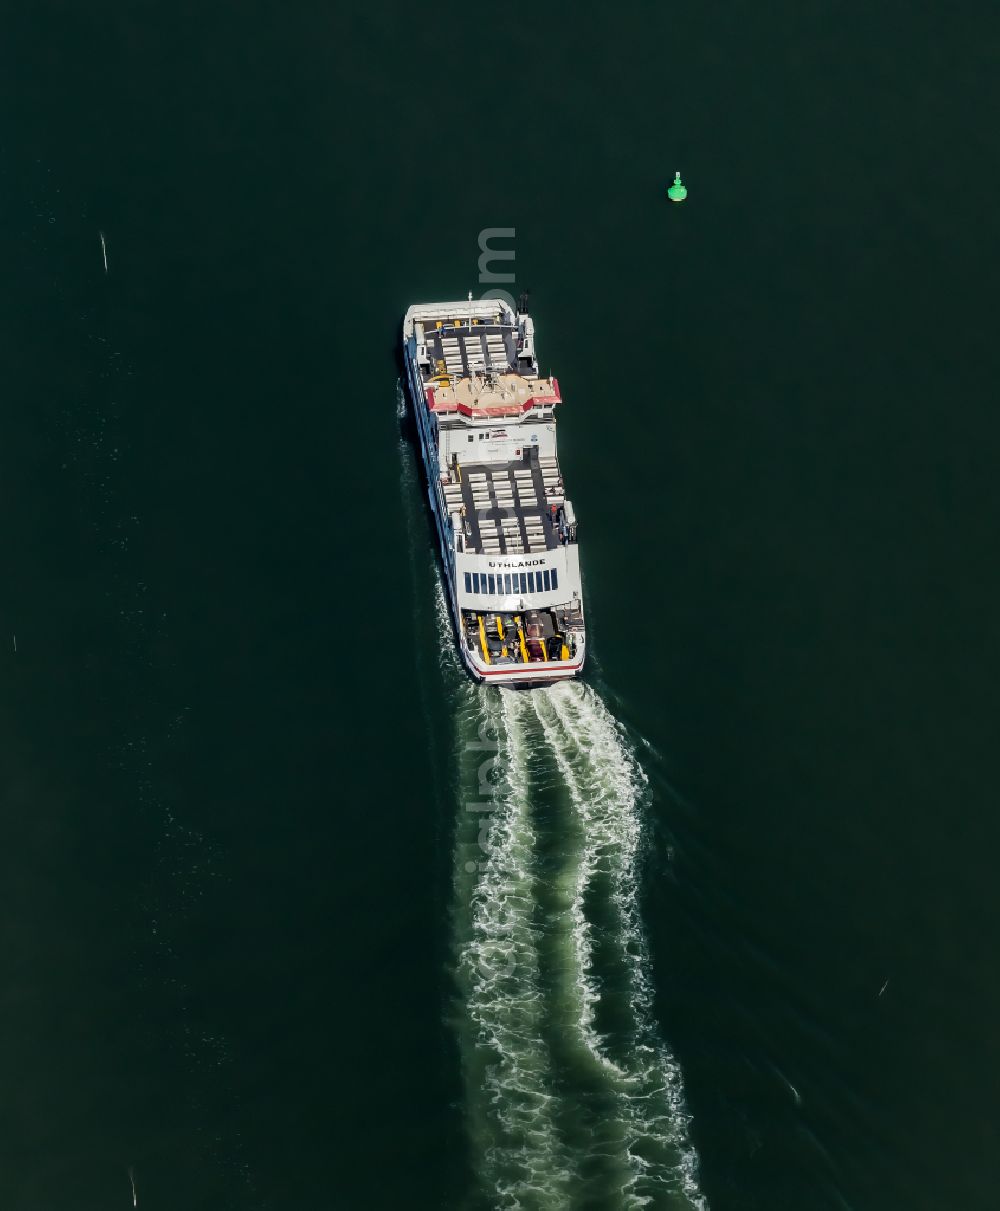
{"points": [[606, 786], [511, 1103], [573, 1099]]}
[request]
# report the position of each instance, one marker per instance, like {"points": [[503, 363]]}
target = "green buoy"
{"points": [[677, 192]]}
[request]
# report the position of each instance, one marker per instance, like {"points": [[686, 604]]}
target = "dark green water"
{"points": [[230, 744]]}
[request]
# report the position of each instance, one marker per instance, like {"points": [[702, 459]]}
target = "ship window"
{"points": [[506, 583], [545, 580], [492, 584], [475, 582], [531, 582], [468, 582], [555, 579], [472, 437], [524, 582]]}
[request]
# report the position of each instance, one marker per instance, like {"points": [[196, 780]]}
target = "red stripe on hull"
{"points": [[538, 671]]}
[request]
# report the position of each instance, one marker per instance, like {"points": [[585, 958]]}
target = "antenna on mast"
{"points": [[470, 310]]}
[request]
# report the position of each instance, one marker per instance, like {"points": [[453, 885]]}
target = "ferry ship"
{"points": [[507, 531]]}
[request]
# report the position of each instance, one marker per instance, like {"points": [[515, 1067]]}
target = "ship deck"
{"points": [[510, 508], [463, 351]]}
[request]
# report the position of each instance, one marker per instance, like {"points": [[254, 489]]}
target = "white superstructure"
{"points": [[508, 533]]}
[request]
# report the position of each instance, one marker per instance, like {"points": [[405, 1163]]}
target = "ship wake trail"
{"points": [[511, 1103], [607, 788], [573, 1098]]}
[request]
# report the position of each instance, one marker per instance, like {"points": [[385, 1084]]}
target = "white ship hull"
{"points": [[506, 532]]}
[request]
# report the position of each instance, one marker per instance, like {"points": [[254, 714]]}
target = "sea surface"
{"points": [[295, 915]]}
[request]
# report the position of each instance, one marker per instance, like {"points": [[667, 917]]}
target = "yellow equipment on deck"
{"points": [[520, 636], [482, 639], [500, 626], [564, 655], [545, 651]]}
